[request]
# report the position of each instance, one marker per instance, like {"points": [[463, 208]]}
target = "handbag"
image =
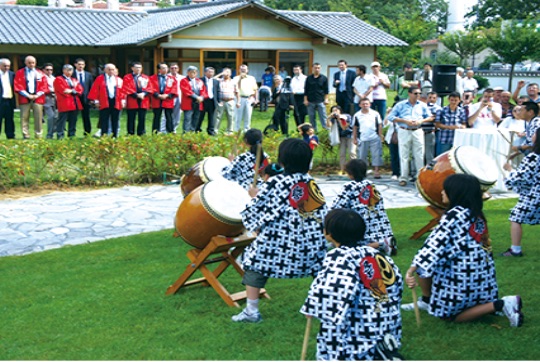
{"points": [[334, 134]]}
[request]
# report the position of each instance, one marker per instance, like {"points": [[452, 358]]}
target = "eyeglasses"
{"points": [[417, 93], [48, 69]]}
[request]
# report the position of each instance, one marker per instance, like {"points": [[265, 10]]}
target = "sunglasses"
{"points": [[417, 93], [48, 69]]}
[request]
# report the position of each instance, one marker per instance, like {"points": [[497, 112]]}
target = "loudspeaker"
{"points": [[444, 79]]}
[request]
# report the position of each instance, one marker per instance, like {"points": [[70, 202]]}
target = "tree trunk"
{"points": [[510, 78]]}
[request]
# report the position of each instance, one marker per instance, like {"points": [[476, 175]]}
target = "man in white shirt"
{"points": [[459, 80], [298, 83], [367, 134], [362, 86], [246, 97], [49, 107], [7, 98], [469, 83], [485, 114]]}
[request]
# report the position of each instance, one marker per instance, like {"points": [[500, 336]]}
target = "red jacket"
{"points": [[171, 88], [40, 85], [66, 102], [130, 90], [188, 94], [99, 92]]}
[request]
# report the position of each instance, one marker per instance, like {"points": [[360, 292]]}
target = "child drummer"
{"points": [[242, 167], [363, 197], [356, 296], [287, 213]]}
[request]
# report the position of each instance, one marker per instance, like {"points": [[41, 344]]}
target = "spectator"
{"points": [[381, 82], [485, 114], [316, 96], [267, 83], [429, 128], [497, 91], [459, 80], [345, 126], [447, 120], [177, 109], [469, 83], [284, 100], [363, 86], [210, 104], [298, 83], [246, 97], [226, 104], [7, 98], [343, 82], [367, 134], [50, 101], [506, 106], [86, 79], [138, 90], [193, 95], [532, 91], [68, 91], [426, 79], [165, 89]]}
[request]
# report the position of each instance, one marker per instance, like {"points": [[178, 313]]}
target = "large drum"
{"points": [[209, 210], [204, 171], [463, 159]]}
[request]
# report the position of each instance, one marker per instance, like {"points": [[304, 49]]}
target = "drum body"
{"points": [[202, 172], [463, 159], [211, 209]]}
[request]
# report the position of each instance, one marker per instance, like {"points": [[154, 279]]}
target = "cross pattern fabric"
{"points": [[364, 198], [463, 271], [242, 169], [526, 181], [290, 242], [354, 317]]}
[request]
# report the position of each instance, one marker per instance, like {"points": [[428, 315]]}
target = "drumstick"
{"points": [[257, 164], [306, 339], [415, 303]]}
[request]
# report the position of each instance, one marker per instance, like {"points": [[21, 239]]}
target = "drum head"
{"points": [[212, 166], [472, 161], [225, 200]]}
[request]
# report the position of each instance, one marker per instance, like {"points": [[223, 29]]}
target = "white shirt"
{"points": [[379, 93], [362, 85], [6, 85], [31, 78], [484, 119], [367, 125], [469, 84], [50, 81], [459, 84], [111, 84], [298, 82]]}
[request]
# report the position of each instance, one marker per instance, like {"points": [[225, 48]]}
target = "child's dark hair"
{"points": [[304, 128], [536, 145], [273, 169], [357, 168], [464, 190], [294, 155], [253, 137], [345, 226]]}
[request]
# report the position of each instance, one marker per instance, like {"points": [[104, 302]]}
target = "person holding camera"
{"points": [[485, 114], [283, 98], [345, 127]]}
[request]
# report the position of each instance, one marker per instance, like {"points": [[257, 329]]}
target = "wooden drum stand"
{"points": [[219, 248], [436, 213]]}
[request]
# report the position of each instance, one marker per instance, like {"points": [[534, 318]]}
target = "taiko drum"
{"points": [[202, 172]]}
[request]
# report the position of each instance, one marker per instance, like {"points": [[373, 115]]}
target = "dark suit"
{"points": [[209, 106], [283, 98], [7, 106], [87, 84], [345, 99]]}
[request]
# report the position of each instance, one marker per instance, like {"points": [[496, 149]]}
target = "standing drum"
{"points": [[202, 172], [211, 209], [463, 159]]}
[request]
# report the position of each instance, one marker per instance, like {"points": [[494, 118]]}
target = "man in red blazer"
{"points": [[193, 95], [137, 90], [68, 91], [164, 91], [107, 92], [31, 85]]}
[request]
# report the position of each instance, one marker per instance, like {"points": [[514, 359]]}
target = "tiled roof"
{"points": [[112, 28], [343, 28], [162, 22], [429, 42], [72, 27]]}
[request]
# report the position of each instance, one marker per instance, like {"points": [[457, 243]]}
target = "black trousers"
{"points": [[140, 114], [6, 114], [113, 114], [85, 111], [343, 100], [209, 108], [300, 110], [280, 119], [71, 118], [156, 123]]}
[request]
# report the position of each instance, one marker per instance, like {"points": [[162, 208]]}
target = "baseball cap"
{"points": [[498, 89], [375, 64]]}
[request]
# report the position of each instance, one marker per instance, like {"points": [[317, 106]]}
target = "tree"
{"points": [[514, 41], [33, 2], [464, 44], [411, 28], [488, 12]]}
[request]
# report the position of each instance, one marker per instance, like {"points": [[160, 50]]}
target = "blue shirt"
{"points": [[268, 80], [406, 110]]}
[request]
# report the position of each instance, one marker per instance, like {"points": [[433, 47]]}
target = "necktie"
{"points": [[81, 80], [137, 84], [161, 84]]}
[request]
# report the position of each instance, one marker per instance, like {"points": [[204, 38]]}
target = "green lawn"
{"points": [[106, 301]]}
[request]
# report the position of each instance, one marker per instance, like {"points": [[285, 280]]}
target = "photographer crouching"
{"points": [[283, 98]]}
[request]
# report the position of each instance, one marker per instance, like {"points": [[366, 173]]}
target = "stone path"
{"points": [[69, 218]]}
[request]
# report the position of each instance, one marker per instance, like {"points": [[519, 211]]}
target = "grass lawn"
{"points": [[106, 301]]}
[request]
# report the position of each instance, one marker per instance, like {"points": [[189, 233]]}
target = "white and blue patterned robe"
{"points": [[364, 198], [526, 181], [357, 298], [457, 255], [242, 169], [290, 242]]}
